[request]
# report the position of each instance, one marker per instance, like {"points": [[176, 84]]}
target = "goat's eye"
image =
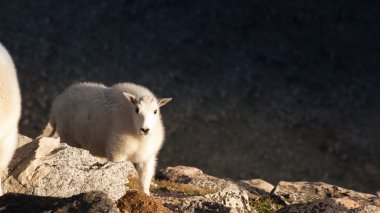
{"points": [[137, 110], [155, 111]]}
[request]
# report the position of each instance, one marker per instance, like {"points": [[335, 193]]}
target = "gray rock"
{"points": [[179, 174], [231, 196], [49, 168], [257, 186], [91, 202], [318, 196]]}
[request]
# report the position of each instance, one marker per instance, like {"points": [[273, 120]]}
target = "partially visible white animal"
{"points": [[10, 109], [119, 123]]}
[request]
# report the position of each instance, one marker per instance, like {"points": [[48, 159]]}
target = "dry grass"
{"points": [[133, 183], [168, 186]]}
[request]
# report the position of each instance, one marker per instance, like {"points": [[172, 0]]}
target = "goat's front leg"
{"points": [[146, 172]]}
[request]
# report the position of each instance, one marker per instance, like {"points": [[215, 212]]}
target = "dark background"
{"points": [[279, 90]]}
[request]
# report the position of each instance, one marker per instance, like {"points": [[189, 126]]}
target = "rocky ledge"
{"points": [[46, 175]]}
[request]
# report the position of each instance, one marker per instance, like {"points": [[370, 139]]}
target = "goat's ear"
{"points": [[163, 101], [130, 97]]}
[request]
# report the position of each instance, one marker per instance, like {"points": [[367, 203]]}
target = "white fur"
{"points": [[104, 121], [10, 109]]}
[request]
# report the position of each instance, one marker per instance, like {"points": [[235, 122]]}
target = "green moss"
{"points": [[266, 205]]}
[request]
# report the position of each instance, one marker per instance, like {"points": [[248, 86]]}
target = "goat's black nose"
{"points": [[145, 131]]}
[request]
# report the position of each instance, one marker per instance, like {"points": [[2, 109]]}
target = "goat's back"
{"points": [[83, 116]]}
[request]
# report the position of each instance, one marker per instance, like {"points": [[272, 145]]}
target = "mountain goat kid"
{"points": [[10, 109], [119, 123]]}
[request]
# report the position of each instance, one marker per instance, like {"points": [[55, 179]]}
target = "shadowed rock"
{"points": [[91, 202]]}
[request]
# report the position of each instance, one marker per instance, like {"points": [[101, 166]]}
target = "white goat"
{"points": [[121, 122], [10, 109]]}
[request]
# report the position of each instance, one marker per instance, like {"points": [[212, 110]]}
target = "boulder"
{"points": [[318, 196], [46, 167]]}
